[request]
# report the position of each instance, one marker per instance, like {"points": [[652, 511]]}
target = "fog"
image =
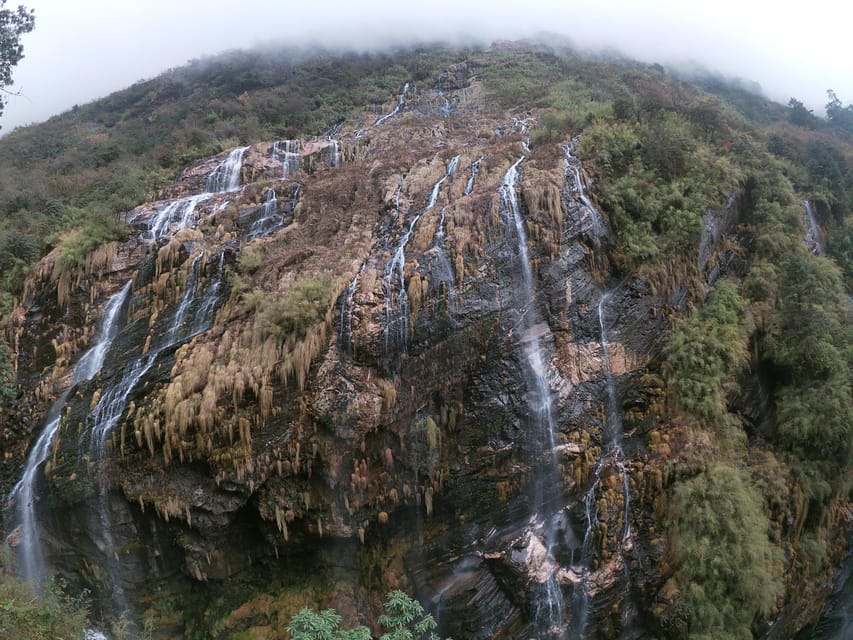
{"points": [[86, 49]]}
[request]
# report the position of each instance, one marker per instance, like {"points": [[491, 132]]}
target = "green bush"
{"points": [[705, 353], [726, 571], [8, 386], [404, 619], [76, 245], [291, 315], [46, 615]]}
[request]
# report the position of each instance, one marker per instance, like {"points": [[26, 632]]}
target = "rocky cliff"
{"points": [[322, 385]]}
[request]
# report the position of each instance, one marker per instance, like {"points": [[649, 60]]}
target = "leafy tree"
{"points": [[808, 335], [13, 24], [801, 116], [837, 114]]}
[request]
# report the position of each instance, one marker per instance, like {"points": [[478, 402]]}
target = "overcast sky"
{"points": [[85, 49]]}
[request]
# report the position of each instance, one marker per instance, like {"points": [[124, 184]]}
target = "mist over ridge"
{"points": [[77, 54]]}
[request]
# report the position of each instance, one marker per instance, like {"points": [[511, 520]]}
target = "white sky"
{"points": [[85, 49]]}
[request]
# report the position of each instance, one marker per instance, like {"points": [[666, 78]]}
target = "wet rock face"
{"points": [[390, 412]]}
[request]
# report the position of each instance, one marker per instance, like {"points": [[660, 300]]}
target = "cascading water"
{"points": [[441, 269], [269, 220], [213, 297], [347, 304], [396, 329], [226, 176], [546, 515], [613, 456], [573, 165], [335, 154], [171, 217], [29, 548], [812, 232], [397, 308], [192, 315], [114, 401], [475, 169], [401, 100], [287, 152], [187, 299]]}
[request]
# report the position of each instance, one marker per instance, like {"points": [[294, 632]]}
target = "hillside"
{"points": [[559, 345]]}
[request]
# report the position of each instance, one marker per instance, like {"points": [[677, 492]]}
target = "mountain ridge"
{"points": [[416, 383]]}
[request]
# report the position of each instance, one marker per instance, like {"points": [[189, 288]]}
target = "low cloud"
{"points": [[87, 49]]}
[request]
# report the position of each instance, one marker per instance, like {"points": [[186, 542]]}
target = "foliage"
{"points": [[704, 354], [291, 315], [726, 572], [840, 247], [660, 173], [13, 24], [801, 116], [76, 245], [325, 625], [404, 619], [46, 615], [7, 375], [837, 114], [808, 343], [806, 335]]}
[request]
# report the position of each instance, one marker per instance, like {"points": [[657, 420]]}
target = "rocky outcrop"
{"points": [[359, 387]]}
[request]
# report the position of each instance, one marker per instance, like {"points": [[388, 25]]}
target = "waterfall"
{"points": [[611, 454], [443, 272], [226, 176], [475, 169], [401, 100], [548, 615], [287, 152], [347, 306], [335, 145], [269, 220], [186, 300], [397, 311], [335, 159], [171, 217], [114, 400], [433, 196], [29, 546], [212, 298], [573, 166], [396, 330], [811, 238]]}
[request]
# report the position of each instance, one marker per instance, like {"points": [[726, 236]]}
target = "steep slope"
{"points": [[414, 352]]}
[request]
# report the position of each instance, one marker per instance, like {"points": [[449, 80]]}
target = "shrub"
{"points": [[404, 619], [45, 615], [293, 314], [726, 571], [705, 353]]}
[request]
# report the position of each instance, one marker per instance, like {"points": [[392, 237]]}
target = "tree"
{"points": [[837, 114], [13, 24], [800, 115]]}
